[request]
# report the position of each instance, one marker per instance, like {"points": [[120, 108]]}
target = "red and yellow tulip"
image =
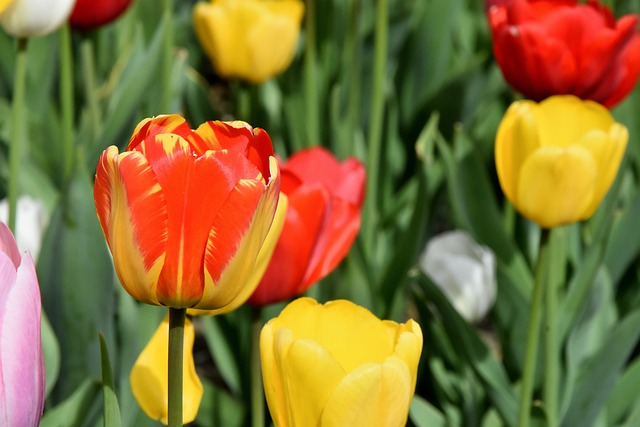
{"points": [[186, 213]]}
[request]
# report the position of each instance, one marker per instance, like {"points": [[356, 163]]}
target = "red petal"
{"points": [[149, 128], [305, 218]]}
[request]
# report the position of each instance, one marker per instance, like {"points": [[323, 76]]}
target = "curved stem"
{"points": [[17, 126], [89, 74], [176, 343], [66, 101], [533, 332], [257, 394], [311, 76], [376, 121]]}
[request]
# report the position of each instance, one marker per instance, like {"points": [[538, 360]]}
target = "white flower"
{"points": [[25, 18], [31, 223], [465, 272]]}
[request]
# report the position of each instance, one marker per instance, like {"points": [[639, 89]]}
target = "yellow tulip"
{"points": [[149, 376], [253, 40], [4, 4], [557, 159], [338, 365]]}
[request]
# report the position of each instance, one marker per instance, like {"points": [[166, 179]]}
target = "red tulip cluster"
{"points": [[558, 47]]}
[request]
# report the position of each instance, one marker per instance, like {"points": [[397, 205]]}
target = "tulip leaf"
{"points": [[111, 409], [222, 354], [51, 354], [624, 398], [467, 343], [423, 414], [218, 408], [598, 376], [623, 247], [74, 411], [76, 279]]}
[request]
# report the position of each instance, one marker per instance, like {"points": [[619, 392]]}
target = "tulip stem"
{"points": [[167, 58], [176, 343], [554, 280], [311, 76], [89, 74], [66, 101], [17, 142], [533, 332], [376, 121], [257, 395]]}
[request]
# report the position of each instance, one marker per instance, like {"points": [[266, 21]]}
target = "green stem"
{"points": [[555, 279], [167, 58], [243, 101], [311, 76], [17, 140], [66, 101], [533, 332], [257, 394], [89, 74], [176, 343], [375, 121], [352, 62]]}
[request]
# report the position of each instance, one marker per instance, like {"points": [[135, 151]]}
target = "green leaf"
{"points": [[624, 398], [467, 343], [76, 278], [51, 353], [597, 379], [111, 409], [423, 414], [222, 354], [74, 410]]}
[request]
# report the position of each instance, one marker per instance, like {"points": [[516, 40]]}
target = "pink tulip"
{"points": [[22, 376]]}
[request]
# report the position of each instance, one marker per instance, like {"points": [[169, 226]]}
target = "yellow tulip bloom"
{"points": [[149, 376], [338, 365], [253, 40], [557, 159]]}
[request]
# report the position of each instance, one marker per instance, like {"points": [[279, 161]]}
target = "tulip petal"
{"points": [[408, 346], [556, 185], [304, 221], [366, 340], [272, 372], [132, 212], [149, 375], [607, 150], [149, 128], [21, 364], [371, 395], [307, 390], [516, 139]]}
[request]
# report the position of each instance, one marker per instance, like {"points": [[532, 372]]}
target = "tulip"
{"points": [[22, 375], [25, 18], [557, 159], [186, 213], [31, 223], [4, 4], [550, 47], [149, 375], [464, 271], [253, 40], [338, 365], [90, 14], [322, 221]]}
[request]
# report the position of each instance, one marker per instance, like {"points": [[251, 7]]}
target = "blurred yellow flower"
{"points": [[253, 40], [557, 159], [4, 4], [149, 376], [338, 365]]}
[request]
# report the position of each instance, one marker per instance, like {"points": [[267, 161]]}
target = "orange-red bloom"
{"points": [[562, 47], [322, 221], [186, 213]]}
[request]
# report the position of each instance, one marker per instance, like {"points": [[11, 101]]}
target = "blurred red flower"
{"points": [[90, 14], [556, 47], [322, 221]]}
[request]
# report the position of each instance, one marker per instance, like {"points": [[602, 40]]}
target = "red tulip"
{"points": [[322, 221], [559, 47], [186, 213], [89, 14]]}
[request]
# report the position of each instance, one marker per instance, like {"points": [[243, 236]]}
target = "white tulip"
{"points": [[465, 272], [25, 18], [31, 223]]}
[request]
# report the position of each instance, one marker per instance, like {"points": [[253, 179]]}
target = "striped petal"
{"points": [[132, 211], [236, 241], [254, 144], [149, 128]]}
